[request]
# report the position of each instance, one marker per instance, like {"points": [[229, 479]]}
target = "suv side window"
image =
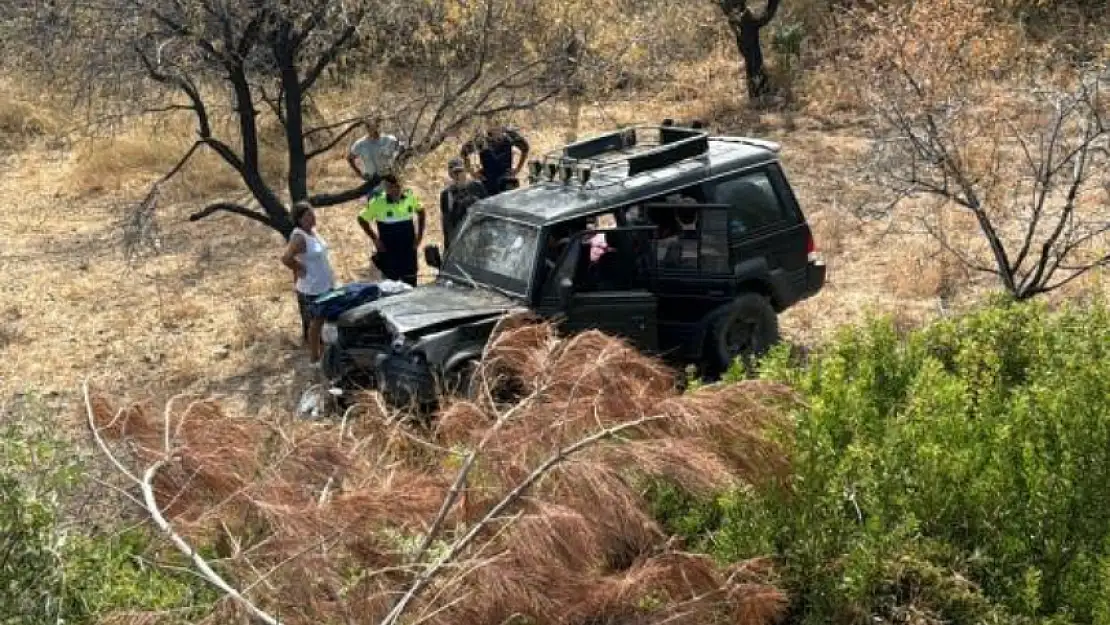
{"points": [[754, 202]]}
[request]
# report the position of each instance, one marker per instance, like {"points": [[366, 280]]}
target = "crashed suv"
{"points": [[685, 244]]}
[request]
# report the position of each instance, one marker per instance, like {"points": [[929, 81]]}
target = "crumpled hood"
{"points": [[430, 305]]}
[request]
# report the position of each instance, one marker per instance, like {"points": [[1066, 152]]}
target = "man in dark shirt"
{"points": [[456, 198], [495, 152]]}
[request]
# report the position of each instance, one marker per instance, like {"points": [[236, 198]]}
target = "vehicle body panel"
{"points": [[429, 306]]}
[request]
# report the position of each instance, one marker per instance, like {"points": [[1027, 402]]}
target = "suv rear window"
{"points": [[753, 199]]}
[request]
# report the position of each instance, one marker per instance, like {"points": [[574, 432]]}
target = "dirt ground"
{"points": [[214, 314]]}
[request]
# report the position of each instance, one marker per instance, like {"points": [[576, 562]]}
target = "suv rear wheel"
{"points": [[746, 328]]}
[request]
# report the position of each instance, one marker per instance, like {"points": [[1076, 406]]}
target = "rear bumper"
{"points": [[816, 272]]}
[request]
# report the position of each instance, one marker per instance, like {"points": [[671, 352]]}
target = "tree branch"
{"points": [[509, 499], [150, 503], [229, 207], [1077, 272], [332, 142], [331, 199], [327, 57], [767, 15]]}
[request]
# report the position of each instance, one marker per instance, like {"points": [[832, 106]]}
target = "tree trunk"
{"points": [[284, 53], [745, 26], [248, 168]]}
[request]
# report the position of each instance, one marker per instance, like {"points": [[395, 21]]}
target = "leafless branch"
{"points": [[932, 137], [150, 503], [237, 209]]}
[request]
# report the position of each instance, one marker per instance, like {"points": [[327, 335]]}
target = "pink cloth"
{"points": [[598, 246]]}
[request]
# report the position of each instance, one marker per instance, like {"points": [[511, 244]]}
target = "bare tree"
{"points": [[528, 512], [256, 58], [1024, 154], [746, 24]]}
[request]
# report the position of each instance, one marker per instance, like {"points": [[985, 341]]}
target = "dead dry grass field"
{"points": [[214, 314]]}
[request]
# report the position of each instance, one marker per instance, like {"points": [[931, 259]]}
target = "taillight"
{"points": [[812, 255]]}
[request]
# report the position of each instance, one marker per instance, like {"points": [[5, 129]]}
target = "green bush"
{"points": [[53, 570], [962, 472]]}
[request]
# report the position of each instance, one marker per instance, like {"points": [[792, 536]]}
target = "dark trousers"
{"points": [[398, 262]]}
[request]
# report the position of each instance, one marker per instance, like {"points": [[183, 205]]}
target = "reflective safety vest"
{"points": [[380, 209]]}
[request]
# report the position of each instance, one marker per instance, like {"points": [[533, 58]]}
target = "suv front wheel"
{"points": [[746, 328]]}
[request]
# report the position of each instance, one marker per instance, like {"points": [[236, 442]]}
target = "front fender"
{"points": [[470, 352]]}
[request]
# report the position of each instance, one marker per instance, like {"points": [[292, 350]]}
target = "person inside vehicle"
{"points": [[687, 217], [393, 211], [495, 153], [373, 155], [456, 198], [306, 255]]}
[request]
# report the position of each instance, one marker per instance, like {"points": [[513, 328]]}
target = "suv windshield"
{"points": [[494, 252]]}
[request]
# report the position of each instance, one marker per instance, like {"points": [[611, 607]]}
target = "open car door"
{"points": [[611, 293]]}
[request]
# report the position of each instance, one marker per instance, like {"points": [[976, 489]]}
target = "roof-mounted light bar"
{"points": [[564, 169]]}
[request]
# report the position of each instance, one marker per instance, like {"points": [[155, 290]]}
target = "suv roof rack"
{"points": [[640, 148]]}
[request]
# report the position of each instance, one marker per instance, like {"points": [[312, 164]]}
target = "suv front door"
{"points": [[611, 295]]}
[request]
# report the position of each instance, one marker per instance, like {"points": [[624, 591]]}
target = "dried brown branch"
{"points": [[532, 509], [145, 484]]}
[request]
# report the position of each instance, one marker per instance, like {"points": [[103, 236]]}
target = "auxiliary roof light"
{"points": [[584, 172], [535, 170], [568, 172], [552, 169], [628, 137]]}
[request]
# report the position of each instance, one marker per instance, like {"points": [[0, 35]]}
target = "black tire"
{"points": [[747, 328], [460, 380]]}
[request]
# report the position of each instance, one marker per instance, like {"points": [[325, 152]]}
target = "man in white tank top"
{"points": [[307, 255]]}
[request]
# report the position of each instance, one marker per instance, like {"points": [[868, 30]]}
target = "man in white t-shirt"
{"points": [[373, 155]]}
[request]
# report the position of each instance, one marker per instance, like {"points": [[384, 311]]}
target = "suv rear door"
{"points": [[767, 233]]}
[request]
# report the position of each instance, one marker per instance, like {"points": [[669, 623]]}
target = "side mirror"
{"points": [[566, 288], [432, 256]]}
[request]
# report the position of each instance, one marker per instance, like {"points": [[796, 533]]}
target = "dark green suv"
{"points": [[686, 244]]}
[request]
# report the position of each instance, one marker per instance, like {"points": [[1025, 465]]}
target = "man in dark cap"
{"points": [[456, 198]]}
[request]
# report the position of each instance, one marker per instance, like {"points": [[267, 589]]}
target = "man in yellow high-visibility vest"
{"points": [[393, 210]]}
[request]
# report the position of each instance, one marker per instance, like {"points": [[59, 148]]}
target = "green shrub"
{"points": [[962, 471], [51, 571], [34, 473]]}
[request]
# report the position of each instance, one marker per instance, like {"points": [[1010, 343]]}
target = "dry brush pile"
{"points": [[529, 513]]}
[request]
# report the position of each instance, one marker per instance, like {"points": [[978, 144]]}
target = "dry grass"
{"points": [[24, 119], [577, 547], [926, 271]]}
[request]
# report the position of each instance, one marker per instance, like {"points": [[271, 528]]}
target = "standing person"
{"points": [[375, 152], [392, 210], [495, 153], [456, 198], [307, 255]]}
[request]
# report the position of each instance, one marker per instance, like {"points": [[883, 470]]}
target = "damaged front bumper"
{"points": [[404, 379]]}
